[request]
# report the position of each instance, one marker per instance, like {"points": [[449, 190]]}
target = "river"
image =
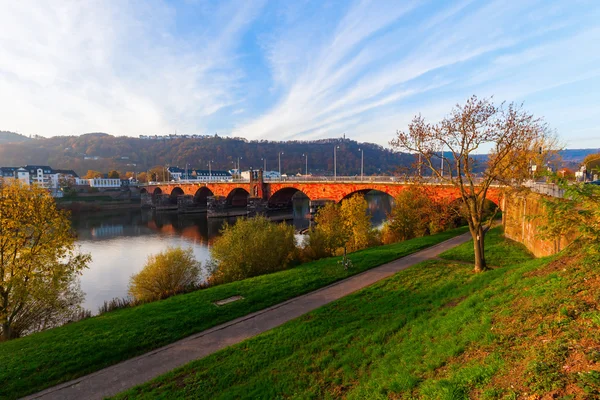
{"points": [[120, 241]]}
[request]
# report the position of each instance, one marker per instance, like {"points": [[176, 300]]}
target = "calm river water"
{"points": [[121, 241]]}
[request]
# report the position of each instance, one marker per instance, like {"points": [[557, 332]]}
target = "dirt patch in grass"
{"points": [[557, 265], [454, 302]]}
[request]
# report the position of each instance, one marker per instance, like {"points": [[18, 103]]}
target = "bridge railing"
{"points": [[549, 189], [355, 179]]}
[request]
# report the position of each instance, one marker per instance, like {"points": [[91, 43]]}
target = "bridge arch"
{"points": [[143, 191], [284, 197], [157, 191], [238, 197], [365, 191], [202, 194], [177, 191]]}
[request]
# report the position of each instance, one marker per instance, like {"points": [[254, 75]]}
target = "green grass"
{"points": [[499, 251], [44, 359], [392, 339]]}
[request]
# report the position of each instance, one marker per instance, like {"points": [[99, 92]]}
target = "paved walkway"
{"points": [[119, 377]]}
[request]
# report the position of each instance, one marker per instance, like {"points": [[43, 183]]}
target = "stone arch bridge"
{"points": [[257, 195]]}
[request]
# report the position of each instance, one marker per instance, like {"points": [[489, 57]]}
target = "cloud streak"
{"points": [[290, 70]]}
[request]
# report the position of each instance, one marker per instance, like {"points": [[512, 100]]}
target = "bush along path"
{"points": [[42, 360]]}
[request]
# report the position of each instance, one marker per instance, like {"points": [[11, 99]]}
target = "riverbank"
{"points": [[44, 359], [433, 331], [526, 329], [98, 203]]}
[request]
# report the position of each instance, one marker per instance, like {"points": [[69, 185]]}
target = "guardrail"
{"points": [[324, 179]]}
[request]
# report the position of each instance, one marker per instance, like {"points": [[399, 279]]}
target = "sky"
{"points": [[293, 70]]}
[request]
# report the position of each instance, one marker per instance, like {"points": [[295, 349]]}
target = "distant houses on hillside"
{"points": [[171, 137]]}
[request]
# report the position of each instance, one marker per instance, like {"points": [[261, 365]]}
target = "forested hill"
{"points": [[103, 152], [11, 137]]}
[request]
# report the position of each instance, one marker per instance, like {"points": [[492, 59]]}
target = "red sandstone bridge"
{"points": [[257, 194]]}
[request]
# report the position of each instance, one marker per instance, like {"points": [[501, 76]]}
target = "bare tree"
{"points": [[513, 138]]}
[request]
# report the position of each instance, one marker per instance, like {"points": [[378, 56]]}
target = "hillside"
{"points": [[528, 329], [12, 137], [103, 152]]}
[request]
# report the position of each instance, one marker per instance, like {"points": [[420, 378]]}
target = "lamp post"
{"points": [[306, 161], [362, 163], [186, 172], [210, 170], [238, 166], [280, 153], [264, 160], [335, 162]]}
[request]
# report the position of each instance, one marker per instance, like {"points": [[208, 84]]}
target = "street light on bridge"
{"points": [[362, 163], [335, 162], [264, 160], [306, 160], [280, 153]]}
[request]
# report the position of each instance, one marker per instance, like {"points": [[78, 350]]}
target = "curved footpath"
{"points": [[127, 374]]}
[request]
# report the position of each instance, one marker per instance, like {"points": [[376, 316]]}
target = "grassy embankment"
{"points": [[44, 359], [526, 329]]}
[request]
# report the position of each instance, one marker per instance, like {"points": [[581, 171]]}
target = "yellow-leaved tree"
{"points": [[356, 223], [251, 247], [340, 225], [170, 272], [39, 262]]}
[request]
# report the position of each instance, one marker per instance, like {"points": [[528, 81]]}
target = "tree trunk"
{"points": [[478, 245], [6, 333]]}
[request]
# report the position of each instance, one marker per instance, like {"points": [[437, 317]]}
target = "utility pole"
{"points": [[335, 162], [280, 153], [306, 160], [362, 163]]}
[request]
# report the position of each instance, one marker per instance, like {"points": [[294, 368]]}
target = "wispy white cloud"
{"points": [[305, 69], [373, 67], [109, 65]]}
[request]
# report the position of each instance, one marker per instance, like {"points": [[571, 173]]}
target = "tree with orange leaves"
{"points": [[514, 138]]}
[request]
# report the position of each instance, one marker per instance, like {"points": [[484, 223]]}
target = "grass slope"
{"points": [[44, 359], [527, 328]]}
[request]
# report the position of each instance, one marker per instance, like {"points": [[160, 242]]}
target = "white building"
{"points": [[105, 183]]}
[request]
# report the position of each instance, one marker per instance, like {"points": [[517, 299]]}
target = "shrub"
{"points": [[165, 274], [251, 247], [316, 246], [417, 213], [337, 225], [356, 223]]}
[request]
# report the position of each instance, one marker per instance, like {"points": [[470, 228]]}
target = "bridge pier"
{"points": [[187, 205], [216, 206], [257, 206]]}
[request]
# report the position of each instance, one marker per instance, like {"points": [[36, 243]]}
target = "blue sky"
{"points": [[296, 69]]}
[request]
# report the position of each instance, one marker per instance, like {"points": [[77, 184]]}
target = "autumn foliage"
{"points": [[251, 247], [172, 271], [39, 262], [340, 225]]}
